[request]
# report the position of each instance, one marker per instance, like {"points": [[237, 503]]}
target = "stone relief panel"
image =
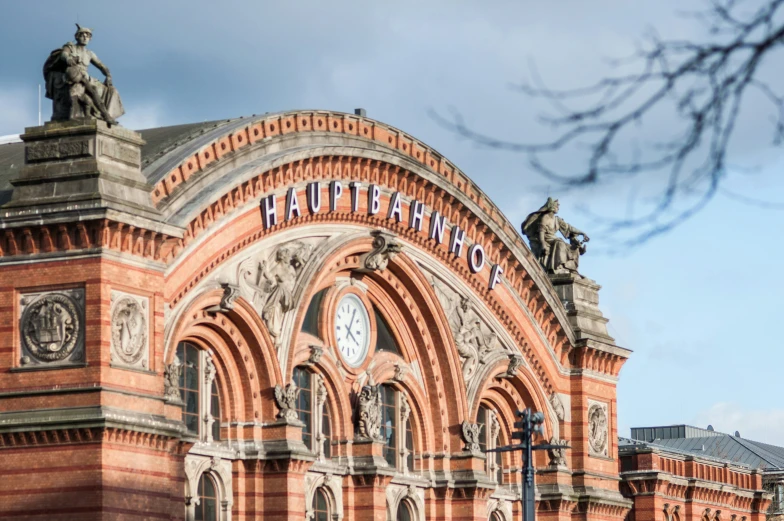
{"points": [[268, 281], [475, 340], [130, 330], [51, 326], [598, 429]]}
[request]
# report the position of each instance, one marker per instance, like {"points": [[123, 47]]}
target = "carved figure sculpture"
{"points": [[471, 342], [271, 283], [597, 429], [558, 406], [129, 331], [171, 381], [385, 248], [73, 92], [554, 254], [471, 433], [557, 456], [369, 416], [286, 399]]}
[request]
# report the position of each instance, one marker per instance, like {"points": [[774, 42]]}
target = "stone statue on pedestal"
{"points": [[554, 254], [73, 92]]}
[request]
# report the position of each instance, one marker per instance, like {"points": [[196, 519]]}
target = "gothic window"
{"points": [[313, 411], [496, 516], [207, 508], [201, 411], [320, 505], [487, 420], [404, 511]]}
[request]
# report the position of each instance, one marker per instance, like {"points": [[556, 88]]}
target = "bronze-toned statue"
{"points": [[555, 255], [73, 92]]}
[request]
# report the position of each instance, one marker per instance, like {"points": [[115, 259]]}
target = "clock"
{"points": [[352, 329]]}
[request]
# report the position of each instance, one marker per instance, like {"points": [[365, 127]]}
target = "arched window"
{"points": [[207, 509], [302, 379], [396, 430], [326, 431], [404, 511], [215, 410], [496, 516], [320, 505], [313, 410], [199, 392], [409, 446], [389, 422], [189, 385], [489, 432]]}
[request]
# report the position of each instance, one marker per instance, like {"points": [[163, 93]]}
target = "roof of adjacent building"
{"points": [[707, 443], [158, 141]]}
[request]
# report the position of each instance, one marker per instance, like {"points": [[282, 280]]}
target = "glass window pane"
{"points": [[215, 411], [326, 430], [302, 378], [403, 512]]}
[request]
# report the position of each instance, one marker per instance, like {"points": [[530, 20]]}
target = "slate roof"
{"points": [[159, 141], [718, 446]]}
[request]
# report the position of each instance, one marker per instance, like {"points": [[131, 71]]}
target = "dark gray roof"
{"points": [[718, 446], [11, 159], [159, 141]]}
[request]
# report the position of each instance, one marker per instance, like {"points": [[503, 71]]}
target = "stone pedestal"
{"points": [[81, 168], [580, 297]]}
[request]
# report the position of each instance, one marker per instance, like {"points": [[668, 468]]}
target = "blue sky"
{"points": [[697, 305]]}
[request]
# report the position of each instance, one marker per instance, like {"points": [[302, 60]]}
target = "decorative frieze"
{"points": [[130, 330], [52, 328], [598, 429]]}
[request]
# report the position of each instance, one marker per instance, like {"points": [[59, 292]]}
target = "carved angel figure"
{"points": [[286, 399], [471, 433], [369, 417], [271, 283]]}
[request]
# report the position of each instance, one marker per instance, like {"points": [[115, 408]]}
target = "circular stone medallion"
{"points": [[129, 330], [50, 327]]}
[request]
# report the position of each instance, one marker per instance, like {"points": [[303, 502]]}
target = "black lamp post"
{"points": [[530, 424]]}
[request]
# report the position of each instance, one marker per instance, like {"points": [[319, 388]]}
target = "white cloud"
{"points": [[755, 424], [143, 115]]}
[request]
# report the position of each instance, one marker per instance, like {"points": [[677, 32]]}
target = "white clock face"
{"points": [[352, 329]]}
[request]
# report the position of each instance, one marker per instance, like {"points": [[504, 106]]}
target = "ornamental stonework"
{"points": [[130, 330], [598, 429], [52, 328]]}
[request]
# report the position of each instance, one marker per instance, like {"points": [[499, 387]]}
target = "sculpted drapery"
{"points": [[555, 255]]}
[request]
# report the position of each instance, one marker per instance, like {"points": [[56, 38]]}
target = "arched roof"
{"points": [[192, 166]]}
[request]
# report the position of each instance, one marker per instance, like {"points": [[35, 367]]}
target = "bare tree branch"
{"points": [[706, 83]]}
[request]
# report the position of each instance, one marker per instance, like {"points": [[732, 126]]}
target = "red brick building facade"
{"points": [[307, 315]]}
